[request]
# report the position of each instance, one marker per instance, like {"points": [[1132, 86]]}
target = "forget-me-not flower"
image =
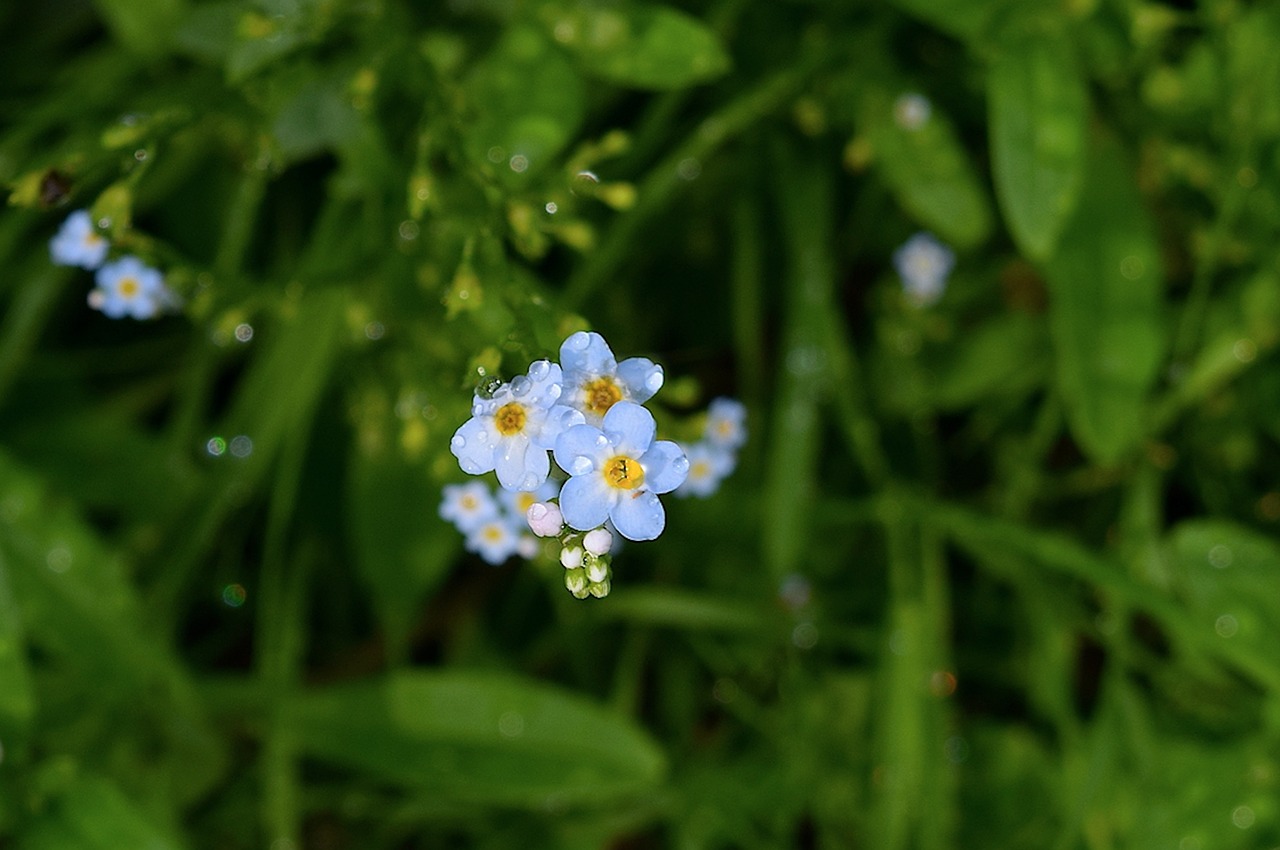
{"points": [[128, 287], [512, 431], [78, 243], [494, 540], [924, 264], [517, 502], [726, 424], [709, 464], [617, 472], [468, 506], [594, 381]]}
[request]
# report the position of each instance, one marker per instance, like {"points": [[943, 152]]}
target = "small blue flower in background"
{"points": [[494, 540], [617, 472], [912, 110], [924, 264], [726, 424], [78, 243], [128, 287], [513, 431], [468, 506], [517, 502], [709, 464], [594, 381]]}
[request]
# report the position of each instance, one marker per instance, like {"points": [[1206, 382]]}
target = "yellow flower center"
{"points": [[128, 287], [492, 533], [468, 502], [91, 239], [524, 501], [510, 418], [624, 473], [701, 469], [601, 394]]}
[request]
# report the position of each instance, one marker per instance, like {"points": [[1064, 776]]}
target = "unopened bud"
{"points": [[598, 541], [576, 583], [597, 570], [545, 519], [571, 558], [598, 589]]}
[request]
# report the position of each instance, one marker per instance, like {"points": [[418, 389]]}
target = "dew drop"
{"points": [[458, 442], [653, 383], [578, 341], [551, 208], [482, 437], [104, 223], [530, 482], [470, 467], [602, 440], [680, 465], [216, 446], [489, 387], [244, 332], [519, 163], [241, 446], [140, 155], [520, 386], [539, 370], [580, 466]]}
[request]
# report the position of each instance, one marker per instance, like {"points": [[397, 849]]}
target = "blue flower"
{"points": [[709, 464], [924, 263], [517, 502], [494, 540], [127, 287], [468, 506], [78, 243], [617, 472], [513, 431], [726, 424], [594, 381]]}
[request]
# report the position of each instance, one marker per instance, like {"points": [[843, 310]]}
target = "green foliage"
{"points": [[998, 568]]}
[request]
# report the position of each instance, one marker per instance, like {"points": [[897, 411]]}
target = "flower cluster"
{"points": [[494, 523], [123, 287], [587, 412], [715, 456], [924, 264]]}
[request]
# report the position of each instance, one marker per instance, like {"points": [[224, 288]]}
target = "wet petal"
{"points": [[665, 466], [511, 460], [585, 355], [641, 376], [580, 449], [558, 419], [629, 427], [585, 501], [472, 444], [639, 515]]}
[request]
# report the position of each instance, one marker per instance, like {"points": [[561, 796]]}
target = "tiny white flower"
{"points": [[924, 264], [78, 243]]}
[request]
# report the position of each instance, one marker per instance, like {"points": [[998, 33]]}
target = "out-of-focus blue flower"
{"points": [[709, 464], [726, 424], [517, 502], [912, 110], [128, 287], [468, 506], [594, 381], [513, 431], [617, 472], [78, 243], [924, 264], [494, 540]]}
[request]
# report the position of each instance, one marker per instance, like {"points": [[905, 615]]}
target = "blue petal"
{"points": [[580, 449], [586, 355], [546, 383], [472, 444], [559, 419], [639, 515], [641, 376], [519, 462], [585, 501], [629, 427], [665, 466]]}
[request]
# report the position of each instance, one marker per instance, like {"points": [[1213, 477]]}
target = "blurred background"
{"points": [[997, 283]]}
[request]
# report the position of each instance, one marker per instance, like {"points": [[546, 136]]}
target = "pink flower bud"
{"points": [[545, 519], [598, 541]]}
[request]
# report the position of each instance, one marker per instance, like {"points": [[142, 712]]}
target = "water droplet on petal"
{"points": [[653, 383], [529, 482], [578, 341], [602, 440], [539, 370], [482, 437], [520, 386], [458, 442], [470, 467], [579, 466], [681, 464]]}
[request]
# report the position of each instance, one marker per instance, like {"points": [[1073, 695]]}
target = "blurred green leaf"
{"points": [[93, 814], [965, 19], [144, 26], [17, 702], [480, 737], [1038, 108], [669, 606], [929, 172], [317, 117], [526, 100], [1005, 355], [401, 551], [636, 45], [1105, 284]]}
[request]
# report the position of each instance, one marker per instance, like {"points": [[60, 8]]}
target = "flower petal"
{"points": [[584, 355], [472, 444], [629, 427], [639, 515], [585, 501], [641, 376], [665, 466], [580, 449], [558, 419], [511, 460]]}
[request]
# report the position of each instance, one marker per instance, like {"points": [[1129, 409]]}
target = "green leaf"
{"points": [[965, 19], [1038, 108], [929, 172], [667, 606], [93, 814], [316, 118], [1105, 310], [479, 737], [17, 702], [527, 101], [144, 26], [1003, 356], [401, 552], [645, 47]]}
